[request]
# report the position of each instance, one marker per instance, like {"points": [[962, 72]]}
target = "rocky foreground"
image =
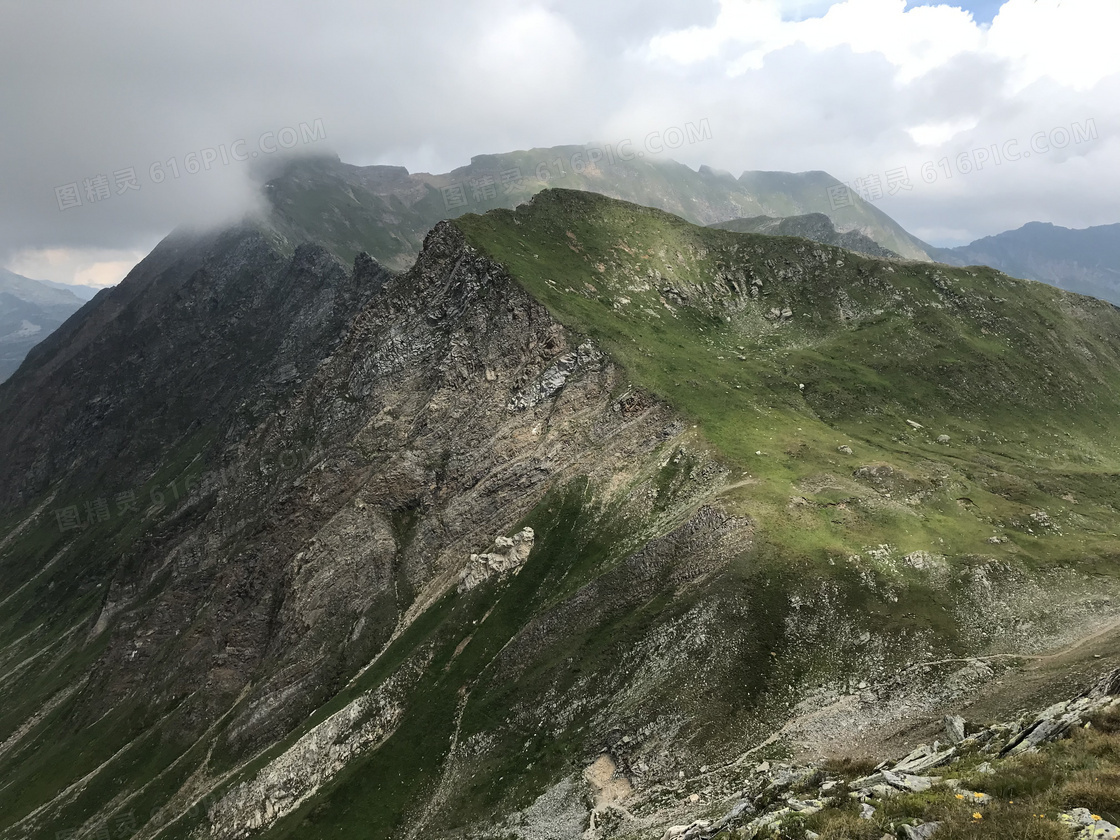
{"points": [[981, 781]]}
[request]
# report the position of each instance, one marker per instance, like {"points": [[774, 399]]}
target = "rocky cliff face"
{"points": [[319, 526]]}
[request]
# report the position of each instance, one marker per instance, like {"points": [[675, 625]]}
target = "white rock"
{"points": [[510, 555]]}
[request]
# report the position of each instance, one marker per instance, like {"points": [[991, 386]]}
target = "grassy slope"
{"points": [[1024, 378], [47, 647]]}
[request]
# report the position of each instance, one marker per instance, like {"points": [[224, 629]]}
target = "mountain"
{"points": [[386, 211], [29, 311], [78, 290], [1086, 261], [815, 226], [588, 510]]}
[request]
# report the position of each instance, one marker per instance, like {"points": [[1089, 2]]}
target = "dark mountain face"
{"points": [[206, 333], [551, 529], [1086, 261], [814, 226], [29, 312]]}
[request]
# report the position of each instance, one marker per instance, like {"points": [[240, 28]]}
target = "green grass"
{"points": [[1028, 794], [975, 355]]}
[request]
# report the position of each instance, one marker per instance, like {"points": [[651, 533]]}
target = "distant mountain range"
{"points": [[30, 310], [386, 211], [1086, 261], [815, 226], [81, 292]]}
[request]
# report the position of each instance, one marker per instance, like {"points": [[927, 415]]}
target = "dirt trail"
{"points": [[1036, 658], [1042, 679]]}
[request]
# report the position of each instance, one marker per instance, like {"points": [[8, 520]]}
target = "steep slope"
{"points": [[385, 211], [205, 332], [29, 311], [1085, 261], [282, 642], [795, 194], [815, 226]]}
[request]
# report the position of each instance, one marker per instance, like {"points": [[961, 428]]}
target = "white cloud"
{"points": [[869, 87], [938, 133], [852, 87], [96, 267], [915, 40], [1072, 42]]}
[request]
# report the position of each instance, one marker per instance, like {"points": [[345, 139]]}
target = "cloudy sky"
{"points": [[1001, 113]]}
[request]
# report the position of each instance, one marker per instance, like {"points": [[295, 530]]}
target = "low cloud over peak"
{"points": [[127, 120]]}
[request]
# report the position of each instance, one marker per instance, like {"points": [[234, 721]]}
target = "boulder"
{"points": [[908, 782], [1091, 826], [924, 758], [920, 832], [974, 797], [954, 728], [509, 555]]}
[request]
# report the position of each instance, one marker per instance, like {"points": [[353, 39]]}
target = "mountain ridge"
{"points": [[1085, 260], [395, 208], [814, 226]]}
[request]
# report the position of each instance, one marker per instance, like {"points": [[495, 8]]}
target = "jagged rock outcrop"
{"points": [[509, 555]]}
